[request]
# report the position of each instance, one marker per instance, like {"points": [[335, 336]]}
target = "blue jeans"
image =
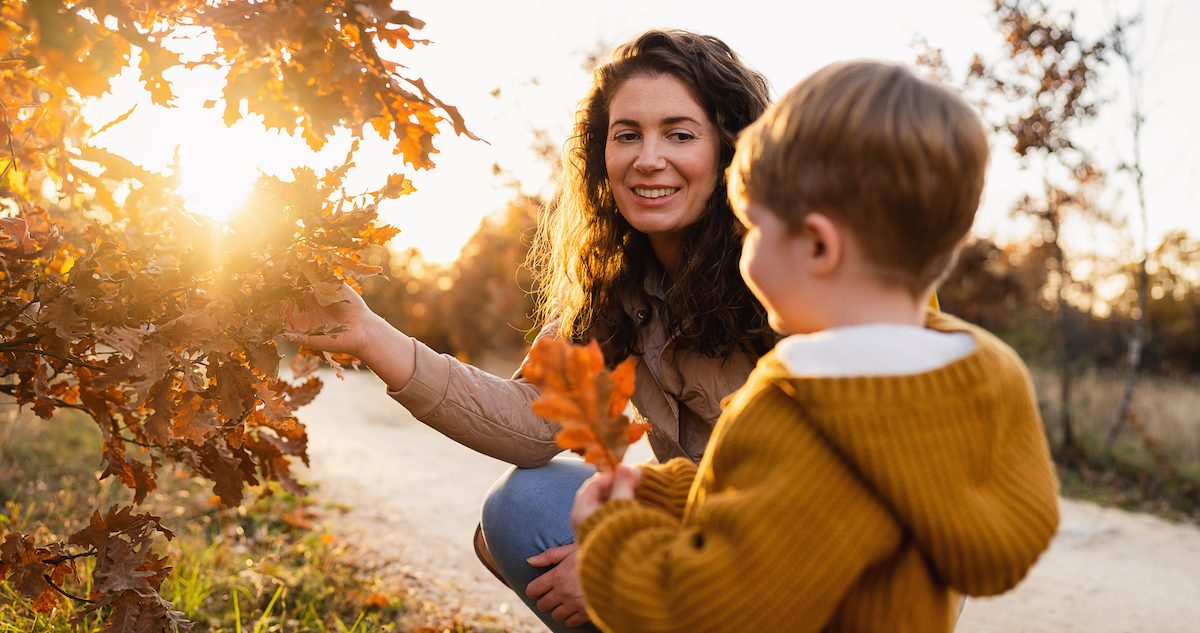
{"points": [[527, 512]]}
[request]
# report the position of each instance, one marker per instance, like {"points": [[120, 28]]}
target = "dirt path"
{"points": [[413, 501]]}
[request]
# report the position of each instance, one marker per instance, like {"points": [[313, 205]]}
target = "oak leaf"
{"points": [[24, 567], [585, 398]]}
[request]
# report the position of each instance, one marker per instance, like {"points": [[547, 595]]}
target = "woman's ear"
{"points": [[825, 243]]}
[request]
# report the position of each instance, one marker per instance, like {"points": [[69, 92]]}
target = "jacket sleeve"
{"points": [[772, 548], [481, 411]]}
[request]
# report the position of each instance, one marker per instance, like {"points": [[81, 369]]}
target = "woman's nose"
{"points": [[650, 157]]}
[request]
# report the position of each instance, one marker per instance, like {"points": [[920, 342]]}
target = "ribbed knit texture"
{"points": [[667, 485], [836, 504]]}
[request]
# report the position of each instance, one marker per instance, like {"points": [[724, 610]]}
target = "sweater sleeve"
{"points": [[773, 546], [667, 485], [479, 410]]}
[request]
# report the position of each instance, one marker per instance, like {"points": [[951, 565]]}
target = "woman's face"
{"points": [[661, 154]]}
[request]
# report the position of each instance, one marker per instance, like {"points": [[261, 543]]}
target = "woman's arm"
{"points": [[484, 412]]}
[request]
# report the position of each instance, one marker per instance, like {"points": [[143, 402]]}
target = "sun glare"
{"points": [[213, 180], [218, 166]]}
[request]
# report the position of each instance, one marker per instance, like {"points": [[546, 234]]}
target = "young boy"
{"points": [[883, 459]]}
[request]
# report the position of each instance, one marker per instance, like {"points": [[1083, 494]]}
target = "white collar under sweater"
{"points": [[875, 349]]}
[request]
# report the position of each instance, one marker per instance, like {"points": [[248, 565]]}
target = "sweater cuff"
{"points": [[599, 515], [667, 485], [603, 540], [426, 390]]}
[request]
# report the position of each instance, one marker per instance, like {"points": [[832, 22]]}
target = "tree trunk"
{"points": [[1137, 342], [1065, 379], [1137, 339]]}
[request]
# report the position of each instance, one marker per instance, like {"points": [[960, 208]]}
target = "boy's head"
{"points": [[892, 162]]}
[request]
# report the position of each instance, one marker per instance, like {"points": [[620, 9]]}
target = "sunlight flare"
{"points": [[213, 181]]}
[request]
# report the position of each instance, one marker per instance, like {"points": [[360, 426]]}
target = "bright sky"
{"points": [[534, 51]]}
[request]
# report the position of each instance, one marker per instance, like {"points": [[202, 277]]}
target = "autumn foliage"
{"points": [[584, 397], [158, 324]]}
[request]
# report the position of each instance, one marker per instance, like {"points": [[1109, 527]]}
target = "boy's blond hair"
{"points": [[899, 159]]}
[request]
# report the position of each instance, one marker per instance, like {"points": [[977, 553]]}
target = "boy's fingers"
{"points": [[624, 483], [584, 507]]}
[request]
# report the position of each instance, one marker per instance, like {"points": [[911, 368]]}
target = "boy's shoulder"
{"points": [[993, 351], [947, 354]]}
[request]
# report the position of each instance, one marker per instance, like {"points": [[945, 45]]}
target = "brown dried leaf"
{"points": [[586, 399], [22, 564]]}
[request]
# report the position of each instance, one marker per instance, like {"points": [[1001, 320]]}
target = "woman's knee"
{"points": [[506, 492], [514, 497], [532, 503]]}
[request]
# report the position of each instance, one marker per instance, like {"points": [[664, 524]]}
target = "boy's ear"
{"points": [[825, 243]]}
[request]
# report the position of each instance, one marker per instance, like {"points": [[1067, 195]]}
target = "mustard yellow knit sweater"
{"points": [[835, 504]]}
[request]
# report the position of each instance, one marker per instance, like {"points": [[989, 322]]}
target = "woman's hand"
{"points": [[346, 321], [602, 488], [352, 328], [558, 591]]}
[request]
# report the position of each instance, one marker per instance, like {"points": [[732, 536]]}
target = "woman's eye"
{"points": [[625, 137], [682, 136]]}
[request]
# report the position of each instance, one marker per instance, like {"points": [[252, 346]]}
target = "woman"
{"points": [[640, 251]]}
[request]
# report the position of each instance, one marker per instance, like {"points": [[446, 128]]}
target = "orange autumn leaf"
{"points": [[378, 600], [585, 398]]}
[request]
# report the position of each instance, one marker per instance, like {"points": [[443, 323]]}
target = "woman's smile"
{"points": [[655, 196]]}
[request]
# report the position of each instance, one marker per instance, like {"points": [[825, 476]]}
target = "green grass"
{"points": [[1156, 469], [265, 566]]}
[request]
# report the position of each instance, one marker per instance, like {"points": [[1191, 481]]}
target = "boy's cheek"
{"points": [[745, 262], [746, 267]]}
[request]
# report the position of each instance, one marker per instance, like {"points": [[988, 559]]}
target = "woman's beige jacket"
{"points": [[678, 392]]}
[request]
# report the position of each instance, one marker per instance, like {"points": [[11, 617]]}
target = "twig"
{"points": [[130, 440], [58, 402], [19, 341], [50, 582], [12, 149], [22, 310], [67, 359], [58, 560], [33, 127], [367, 45]]}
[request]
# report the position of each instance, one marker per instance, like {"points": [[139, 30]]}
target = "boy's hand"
{"points": [[601, 488]]}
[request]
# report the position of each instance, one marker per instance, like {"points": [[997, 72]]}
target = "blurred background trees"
{"points": [[478, 307], [1109, 321]]}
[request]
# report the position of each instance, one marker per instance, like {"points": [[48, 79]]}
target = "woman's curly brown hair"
{"points": [[586, 257]]}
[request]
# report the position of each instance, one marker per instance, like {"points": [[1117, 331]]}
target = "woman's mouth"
{"points": [[654, 193]]}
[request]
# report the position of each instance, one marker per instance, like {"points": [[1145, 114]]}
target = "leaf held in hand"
{"points": [[585, 398]]}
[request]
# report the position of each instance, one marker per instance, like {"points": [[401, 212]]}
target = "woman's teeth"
{"points": [[655, 193]]}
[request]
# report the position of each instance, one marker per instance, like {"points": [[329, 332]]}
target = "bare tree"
{"points": [[1139, 334], [1040, 93]]}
